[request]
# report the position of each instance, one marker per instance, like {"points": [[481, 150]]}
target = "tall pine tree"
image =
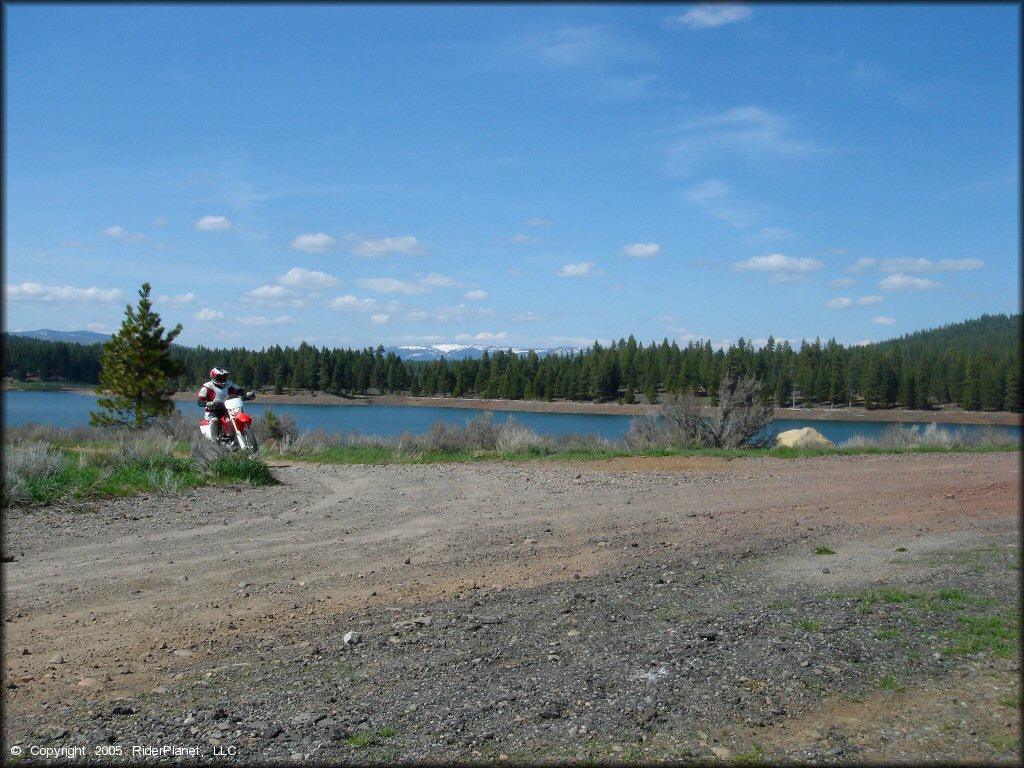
{"points": [[137, 372]]}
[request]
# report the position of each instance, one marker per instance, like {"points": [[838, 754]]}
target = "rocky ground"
{"points": [[822, 610]]}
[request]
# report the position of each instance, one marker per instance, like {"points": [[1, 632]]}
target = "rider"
{"points": [[213, 394]]}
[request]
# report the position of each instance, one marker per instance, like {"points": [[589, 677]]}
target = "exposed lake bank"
{"points": [[947, 414]]}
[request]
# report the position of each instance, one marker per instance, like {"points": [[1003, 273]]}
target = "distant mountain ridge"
{"points": [[410, 352], [430, 352], [73, 337]]}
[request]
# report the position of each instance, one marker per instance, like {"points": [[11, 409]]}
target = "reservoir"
{"points": [[71, 409]]}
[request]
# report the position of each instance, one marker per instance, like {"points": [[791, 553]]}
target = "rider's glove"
{"points": [[211, 406]]}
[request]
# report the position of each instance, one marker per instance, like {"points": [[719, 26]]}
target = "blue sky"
{"points": [[522, 176]]}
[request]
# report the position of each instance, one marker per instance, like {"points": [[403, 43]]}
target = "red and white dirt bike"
{"points": [[236, 429]]}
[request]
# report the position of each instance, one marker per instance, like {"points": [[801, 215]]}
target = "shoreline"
{"points": [[946, 415]]}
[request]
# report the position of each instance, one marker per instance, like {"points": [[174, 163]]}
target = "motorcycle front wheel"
{"points": [[247, 437]]}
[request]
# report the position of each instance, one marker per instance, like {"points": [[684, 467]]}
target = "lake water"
{"points": [[68, 409]]}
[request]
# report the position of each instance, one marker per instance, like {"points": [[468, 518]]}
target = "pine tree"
{"points": [[137, 370]]}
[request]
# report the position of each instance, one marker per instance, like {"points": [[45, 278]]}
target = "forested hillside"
{"points": [[974, 364]]}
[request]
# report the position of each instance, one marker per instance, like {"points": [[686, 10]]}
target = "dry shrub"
{"points": [[900, 436], [743, 412]]}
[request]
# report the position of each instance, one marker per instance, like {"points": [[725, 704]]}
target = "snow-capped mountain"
{"points": [[427, 352]]}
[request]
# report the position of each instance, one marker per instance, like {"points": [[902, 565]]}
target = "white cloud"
{"points": [[483, 336], [349, 303], [860, 265], [477, 295], [269, 292], [596, 47], [842, 282], [160, 221], [882, 320], [66, 293], [379, 319], [711, 189], [747, 133], [924, 265], [456, 314], [434, 280], [120, 233], [787, 278], [314, 243], [777, 262], [181, 300], [712, 197], [710, 16], [258, 322], [869, 301], [213, 223], [844, 302], [640, 250], [391, 285], [407, 244], [208, 315], [297, 277], [537, 221], [901, 282], [583, 269]]}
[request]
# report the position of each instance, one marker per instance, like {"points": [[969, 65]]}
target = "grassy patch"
{"points": [[982, 626], [890, 683], [1005, 743], [752, 756], [105, 464], [1014, 701], [240, 469], [998, 635], [824, 551], [364, 739]]}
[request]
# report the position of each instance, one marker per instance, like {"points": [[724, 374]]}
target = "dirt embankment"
{"points": [[646, 609]]}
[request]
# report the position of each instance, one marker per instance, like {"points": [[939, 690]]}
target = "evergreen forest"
{"points": [[974, 364]]}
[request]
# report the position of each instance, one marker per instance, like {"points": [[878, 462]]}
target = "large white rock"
{"points": [[808, 437]]}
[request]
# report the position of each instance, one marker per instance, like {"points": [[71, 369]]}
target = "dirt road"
{"points": [[188, 618]]}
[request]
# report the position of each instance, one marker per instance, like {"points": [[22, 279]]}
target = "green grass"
{"points": [[1005, 743], [995, 634], [364, 739], [752, 756], [38, 472], [240, 469], [360, 740], [983, 626], [890, 683], [824, 551], [1014, 701]]}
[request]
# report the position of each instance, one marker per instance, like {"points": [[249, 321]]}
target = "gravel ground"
{"points": [[639, 610]]}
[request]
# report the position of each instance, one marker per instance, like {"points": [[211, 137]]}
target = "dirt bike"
{"points": [[236, 429]]}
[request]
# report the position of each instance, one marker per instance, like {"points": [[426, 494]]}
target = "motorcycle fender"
{"points": [[243, 420]]}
